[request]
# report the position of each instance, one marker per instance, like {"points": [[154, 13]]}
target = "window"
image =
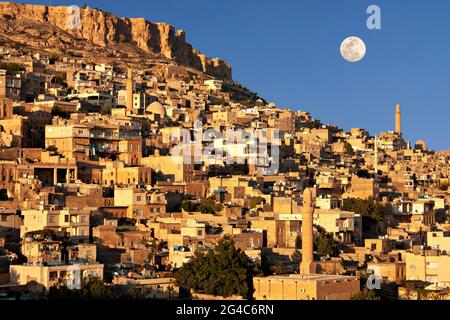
{"points": [[52, 219], [4, 218], [53, 275], [199, 232], [66, 218], [138, 198]]}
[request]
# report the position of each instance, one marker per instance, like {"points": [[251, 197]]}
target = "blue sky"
{"points": [[288, 52]]}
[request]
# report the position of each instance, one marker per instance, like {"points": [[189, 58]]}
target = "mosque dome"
{"points": [[421, 145], [156, 108]]}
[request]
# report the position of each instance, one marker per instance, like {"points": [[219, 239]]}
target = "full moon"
{"points": [[353, 49]]}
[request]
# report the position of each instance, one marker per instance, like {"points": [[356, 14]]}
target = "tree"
{"points": [[254, 201], [53, 58], [324, 244], [279, 269], [52, 148], [56, 111], [366, 208], [3, 195], [12, 68], [348, 150], [207, 205], [298, 242], [371, 211], [93, 289], [223, 272], [363, 173], [366, 294], [189, 206]]}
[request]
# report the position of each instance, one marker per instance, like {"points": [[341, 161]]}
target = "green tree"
{"points": [[189, 206], [52, 148], [105, 109], [93, 289], [366, 294], [254, 201], [324, 244], [371, 211], [223, 272], [348, 150], [56, 111], [97, 290], [207, 205], [279, 269], [12, 68], [298, 242], [366, 208], [53, 58]]}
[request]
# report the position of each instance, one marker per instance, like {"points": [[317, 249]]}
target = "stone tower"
{"points": [[130, 91], [307, 265], [398, 119]]}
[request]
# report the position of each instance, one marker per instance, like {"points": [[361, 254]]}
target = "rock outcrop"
{"points": [[103, 29]]}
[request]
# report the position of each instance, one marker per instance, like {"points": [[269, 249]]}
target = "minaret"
{"points": [[398, 119], [307, 265], [130, 91], [375, 156]]}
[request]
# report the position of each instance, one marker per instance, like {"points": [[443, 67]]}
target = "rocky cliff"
{"points": [[103, 29]]}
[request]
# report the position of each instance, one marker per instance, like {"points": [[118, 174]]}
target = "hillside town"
{"points": [[127, 172]]}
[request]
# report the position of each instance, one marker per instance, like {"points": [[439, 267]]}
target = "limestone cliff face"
{"points": [[104, 29]]}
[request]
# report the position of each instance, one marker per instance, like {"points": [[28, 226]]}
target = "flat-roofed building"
{"points": [[51, 275], [428, 265], [439, 240], [74, 222], [305, 287]]}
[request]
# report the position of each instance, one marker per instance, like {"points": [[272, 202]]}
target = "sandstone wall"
{"points": [[104, 29]]}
